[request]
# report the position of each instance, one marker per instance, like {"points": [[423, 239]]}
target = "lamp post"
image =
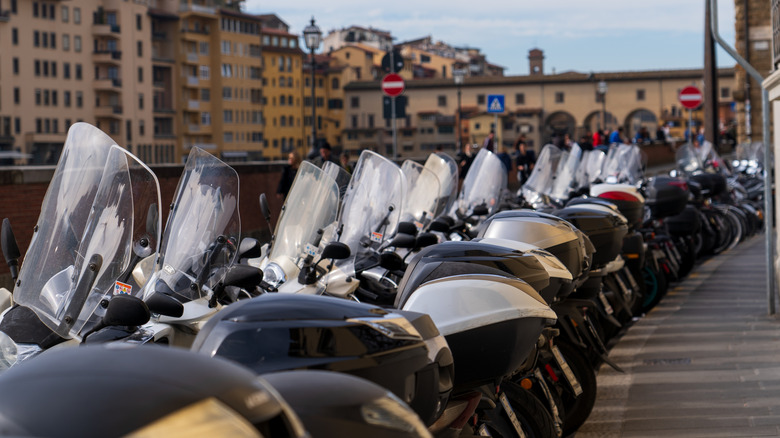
{"points": [[459, 75], [602, 89], [313, 37]]}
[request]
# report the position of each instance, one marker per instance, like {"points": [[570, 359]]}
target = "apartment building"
{"points": [[65, 62], [282, 90]]}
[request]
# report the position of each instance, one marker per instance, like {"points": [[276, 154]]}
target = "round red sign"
{"points": [[690, 97], [393, 85]]}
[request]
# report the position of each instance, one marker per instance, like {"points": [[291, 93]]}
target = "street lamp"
{"points": [[459, 76], [313, 37], [602, 89]]}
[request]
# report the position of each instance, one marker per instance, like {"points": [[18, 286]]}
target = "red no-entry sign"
{"points": [[690, 97], [393, 85]]}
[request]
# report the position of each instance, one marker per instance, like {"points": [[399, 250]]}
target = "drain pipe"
{"points": [[768, 212]]}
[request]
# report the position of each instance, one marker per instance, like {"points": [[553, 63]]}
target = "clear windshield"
{"points": [[750, 152], [589, 170], [102, 203], [565, 178], [711, 159], [372, 204], [541, 179], [311, 208], [624, 164], [338, 174], [688, 161], [202, 231], [424, 194], [484, 182], [446, 169]]}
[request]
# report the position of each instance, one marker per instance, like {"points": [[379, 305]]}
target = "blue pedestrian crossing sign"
{"points": [[495, 103]]}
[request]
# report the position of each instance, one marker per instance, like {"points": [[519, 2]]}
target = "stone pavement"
{"points": [[704, 363]]}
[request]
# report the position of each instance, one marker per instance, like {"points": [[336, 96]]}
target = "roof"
{"points": [[570, 77], [234, 13], [273, 31]]}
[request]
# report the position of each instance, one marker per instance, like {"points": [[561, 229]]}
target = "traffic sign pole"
{"points": [[392, 111], [690, 97]]}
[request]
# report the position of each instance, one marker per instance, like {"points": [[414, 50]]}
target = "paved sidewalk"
{"points": [[704, 363]]}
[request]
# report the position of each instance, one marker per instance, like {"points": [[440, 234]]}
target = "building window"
{"points": [[442, 100], [17, 99], [53, 40], [520, 99], [37, 67], [205, 94], [559, 98], [370, 120], [725, 93], [79, 95], [36, 38], [204, 48], [54, 97], [35, 9], [77, 43], [640, 94], [141, 128], [205, 118], [66, 70], [13, 7], [140, 74], [78, 71], [204, 71], [227, 93], [15, 36], [227, 116], [480, 99], [77, 15], [66, 99], [139, 48], [17, 125], [64, 14], [226, 47], [66, 42], [138, 21], [354, 102], [16, 66], [334, 83], [354, 121], [141, 101], [54, 69]]}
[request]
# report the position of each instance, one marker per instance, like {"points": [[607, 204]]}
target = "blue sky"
{"points": [[585, 35]]}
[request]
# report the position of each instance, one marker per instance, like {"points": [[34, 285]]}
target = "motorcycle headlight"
{"points": [[391, 413], [273, 274]]}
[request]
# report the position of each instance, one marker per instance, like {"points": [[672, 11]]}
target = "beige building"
{"points": [[538, 106], [65, 62]]}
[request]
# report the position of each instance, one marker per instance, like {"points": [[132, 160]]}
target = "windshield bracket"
{"points": [[81, 293]]}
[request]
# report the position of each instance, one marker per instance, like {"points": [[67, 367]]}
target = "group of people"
{"points": [[521, 159], [294, 162]]}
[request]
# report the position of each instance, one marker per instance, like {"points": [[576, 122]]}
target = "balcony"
{"points": [[192, 58], [192, 82], [193, 105], [108, 111], [105, 29], [198, 9], [111, 84], [192, 128], [5, 16], [113, 57], [163, 110]]}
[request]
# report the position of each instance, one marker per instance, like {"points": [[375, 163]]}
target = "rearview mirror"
{"points": [[162, 303], [265, 209], [335, 250], [480, 210], [403, 241], [440, 226], [391, 261], [126, 310], [407, 228], [249, 248], [426, 239], [243, 276]]}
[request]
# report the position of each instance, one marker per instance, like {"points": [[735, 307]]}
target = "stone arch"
{"points": [[559, 123], [638, 119], [593, 122]]}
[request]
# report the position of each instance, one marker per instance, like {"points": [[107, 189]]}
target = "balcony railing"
{"points": [[5, 16], [193, 104], [192, 57], [193, 81], [198, 8]]}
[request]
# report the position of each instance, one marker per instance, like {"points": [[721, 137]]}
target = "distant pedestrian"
{"points": [[345, 162], [585, 142], [325, 155], [288, 175], [617, 136], [464, 159], [489, 142], [525, 159]]}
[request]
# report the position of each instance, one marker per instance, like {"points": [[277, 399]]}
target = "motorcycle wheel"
{"points": [[535, 419], [655, 287], [577, 409]]}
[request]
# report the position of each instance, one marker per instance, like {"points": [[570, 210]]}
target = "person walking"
{"points": [[325, 155], [490, 141], [525, 159], [288, 175]]}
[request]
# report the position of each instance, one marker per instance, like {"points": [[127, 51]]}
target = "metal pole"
{"points": [[460, 123], [768, 205], [690, 126], [313, 107], [604, 113], [392, 109]]}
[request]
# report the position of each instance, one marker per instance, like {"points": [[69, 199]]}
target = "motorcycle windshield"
{"points": [[688, 161], [372, 204], [423, 197], [750, 152], [565, 181], [484, 182], [711, 159], [537, 186], [446, 170], [101, 208], [203, 229], [624, 164], [311, 207], [338, 174]]}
